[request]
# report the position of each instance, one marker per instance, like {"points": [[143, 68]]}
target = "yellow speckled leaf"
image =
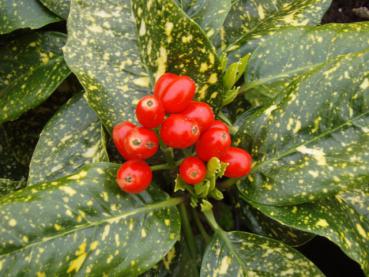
{"points": [[32, 67], [84, 224], [343, 219], [292, 51], [72, 138], [170, 41], [251, 20], [59, 7], [313, 140], [24, 14], [245, 254], [102, 51]]}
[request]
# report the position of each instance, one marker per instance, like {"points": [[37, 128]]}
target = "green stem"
{"points": [[224, 118], [190, 240], [224, 236], [199, 225], [211, 219], [228, 184], [166, 166]]}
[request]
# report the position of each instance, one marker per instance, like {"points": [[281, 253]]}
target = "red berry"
{"points": [[178, 95], [164, 81], [192, 170], [212, 143], [150, 112], [134, 176], [177, 131], [119, 133], [140, 143], [239, 162], [201, 112], [220, 125]]}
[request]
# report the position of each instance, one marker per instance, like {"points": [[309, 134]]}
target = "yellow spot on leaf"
{"points": [[322, 223], [57, 227], [169, 258], [161, 62], [40, 274], [68, 190], [361, 231], [213, 78], [77, 263], [142, 82], [226, 261], [12, 222]]}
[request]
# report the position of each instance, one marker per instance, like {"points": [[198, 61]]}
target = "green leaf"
{"points": [[72, 138], [235, 71], [92, 225], [59, 7], [249, 21], [260, 224], [210, 15], [294, 51], [32, 67], [313, 140], [170, 41], [23, 14], [244, 254], [343, 219], [7, 186], [102, 51]]}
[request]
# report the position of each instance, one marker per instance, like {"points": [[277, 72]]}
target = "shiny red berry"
{"points": [[119, 133], [212, 143], [177, 131], [178, 95], [201, 112], [192, 170], [140, 143], [220, 125], [239, 162], [163, 82], [150, 112], [134, 176]]}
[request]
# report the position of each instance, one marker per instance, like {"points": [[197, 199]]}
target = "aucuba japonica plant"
{"points": [[180, 138]]}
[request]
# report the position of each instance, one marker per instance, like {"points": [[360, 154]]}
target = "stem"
{"points": [[166, 166], [228, 184], [168, 152], [224, 236], [187, 231], [224, 118], [211, 219], [200, 227]]}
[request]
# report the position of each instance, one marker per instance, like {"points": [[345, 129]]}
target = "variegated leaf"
{"points": [[59, 7], [170, 41], [23, 14], [250, 20], [313, 140], [260, 224], [32, 67], [102, 51], [343, 219], [210, 15], [278, 59], [72, 138], [245, 254], [7, 186], [84, 224]]}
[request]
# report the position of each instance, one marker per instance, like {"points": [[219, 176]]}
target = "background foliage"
{"points": [[296, 93]]}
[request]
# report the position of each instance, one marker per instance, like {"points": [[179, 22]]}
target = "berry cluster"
{"points": [[182, 123]]}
